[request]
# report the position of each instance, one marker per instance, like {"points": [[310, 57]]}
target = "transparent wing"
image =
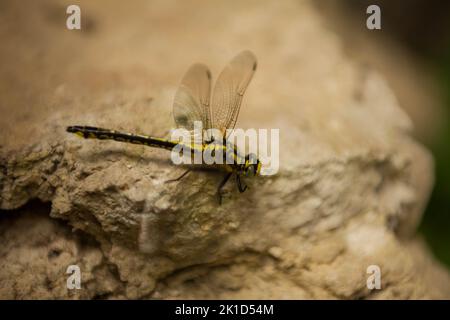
{"points": [[191, 101], [229, 90]]}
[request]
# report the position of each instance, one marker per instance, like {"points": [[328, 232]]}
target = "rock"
{"points": [[349, 194]]}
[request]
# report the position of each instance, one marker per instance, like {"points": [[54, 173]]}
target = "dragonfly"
{"points": [[194, 102]]}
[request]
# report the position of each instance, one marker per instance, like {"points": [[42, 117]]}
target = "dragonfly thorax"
{"points": [[252, 166]]}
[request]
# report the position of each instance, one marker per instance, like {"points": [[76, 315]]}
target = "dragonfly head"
{"points": [[252, 166]]}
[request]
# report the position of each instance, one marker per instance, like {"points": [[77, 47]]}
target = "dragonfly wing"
{"points": [[230, 88], [192, 98]]}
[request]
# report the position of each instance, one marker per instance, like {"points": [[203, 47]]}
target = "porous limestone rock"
{"points": [[350, 191]]}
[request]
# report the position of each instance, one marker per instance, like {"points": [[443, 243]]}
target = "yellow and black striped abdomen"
{"points": [[105, 134]]}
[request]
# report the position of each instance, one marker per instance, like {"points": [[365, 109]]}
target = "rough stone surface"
{"points": [[350, 191]]}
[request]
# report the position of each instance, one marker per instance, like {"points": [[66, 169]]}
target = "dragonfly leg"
{"points": [[239, 184], [222, 184], [180, 177]]}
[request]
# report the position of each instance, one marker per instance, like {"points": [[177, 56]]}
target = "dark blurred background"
{"points": [[422, 27]]}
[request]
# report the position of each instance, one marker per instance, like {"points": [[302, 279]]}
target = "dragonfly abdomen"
{"points": [[106, 134]]}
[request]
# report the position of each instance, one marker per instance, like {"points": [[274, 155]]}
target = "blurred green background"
{"points": [[436, 222]]}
